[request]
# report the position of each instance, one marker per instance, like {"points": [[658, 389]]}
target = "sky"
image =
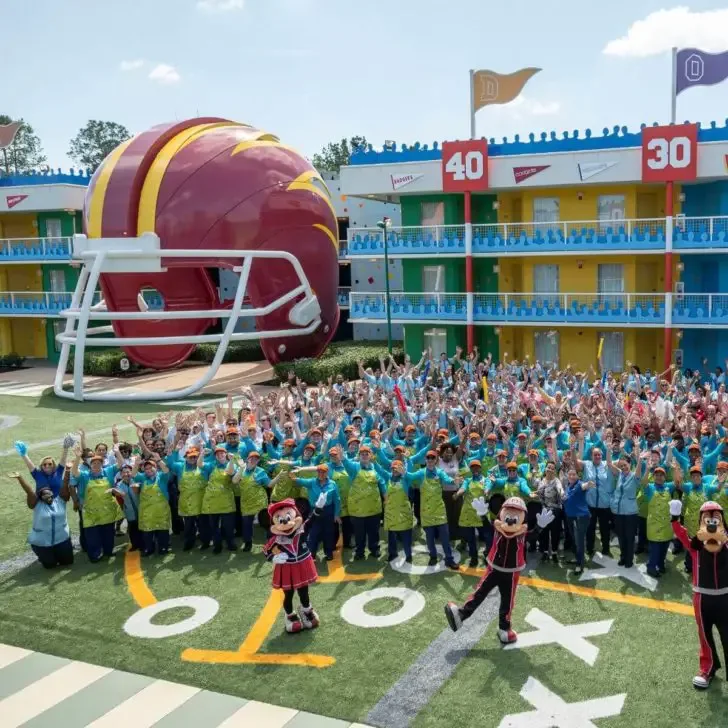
{"points": [[313, 71]]}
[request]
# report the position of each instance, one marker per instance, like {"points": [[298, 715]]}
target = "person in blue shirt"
{"points": [[322, 528], [48, 474], [49, 537], [623, 504], [577, 514], [122, 487]]}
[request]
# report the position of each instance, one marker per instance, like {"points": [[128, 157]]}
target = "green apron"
{"points": [[99, 507], [191, 491], [219, 496], [364, 498], [253, 496], [642, 502], [691, 510], [522, 459], [659, 526], [468, 517], [721, 497], [487, 463], [284, 487], [410, 450], [432, 505], [154, 513], [397, 508], [343, 483]]}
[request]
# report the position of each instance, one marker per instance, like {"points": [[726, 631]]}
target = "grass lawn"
{"points": [[648, 654]]}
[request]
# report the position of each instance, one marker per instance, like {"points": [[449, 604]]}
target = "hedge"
{"points": [[11, 360], [339, 358]]}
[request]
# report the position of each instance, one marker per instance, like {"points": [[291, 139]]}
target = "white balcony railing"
{"points": [[543, 237], [591, 309], [35, 249]]}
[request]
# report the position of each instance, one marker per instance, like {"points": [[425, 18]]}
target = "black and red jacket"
{"points": [[710, 570], [509, 554]]}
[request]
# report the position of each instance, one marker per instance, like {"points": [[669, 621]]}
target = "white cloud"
{"points": [[131, 65], [220, 6], [165, 74], [678, 27]]}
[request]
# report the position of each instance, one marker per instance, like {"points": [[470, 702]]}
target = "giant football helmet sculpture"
{"points": [[178, 200]]}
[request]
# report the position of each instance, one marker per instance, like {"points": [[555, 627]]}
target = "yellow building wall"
{"points": [[18, 225], [578, 346], [24, 336], [580, 202]]}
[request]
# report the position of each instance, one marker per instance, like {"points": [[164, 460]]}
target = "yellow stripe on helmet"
{"points": [[95, 205]]}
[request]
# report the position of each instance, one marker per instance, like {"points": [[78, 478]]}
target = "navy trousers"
{"points": [[405, 538], [366, 533], [100, 541], [155, 540], [323, 528], [60, 554], [221, 526]]}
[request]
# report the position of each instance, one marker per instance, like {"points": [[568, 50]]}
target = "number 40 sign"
{"points": [[670, 153], [465, 166]]}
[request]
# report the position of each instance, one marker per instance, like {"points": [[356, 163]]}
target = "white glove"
{"points": [[321, 501], [280, 558], [675, 507], [480, 506], [544, 518]]}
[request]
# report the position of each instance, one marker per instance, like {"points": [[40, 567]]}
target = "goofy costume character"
{"points": [[506, 559], [294, 567], [708, 550]]}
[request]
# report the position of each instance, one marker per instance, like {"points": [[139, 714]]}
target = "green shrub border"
{"points": [[340, 358]]}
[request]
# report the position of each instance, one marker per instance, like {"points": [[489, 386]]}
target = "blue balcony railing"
{"points": [[534, 238], [35, 304], [29, 250], [591, 309], [343, 296]]}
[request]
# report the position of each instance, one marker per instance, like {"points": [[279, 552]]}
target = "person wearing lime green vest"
{"points": [[218, 500], [365, 502], [191, 486], [337, 473], [155, 517], [659, 524], [253, 482], [323, 527], [695, 493], [520, 452], [432, 507], [469, 522], [397, 510], [99, 506], [721, 485]]}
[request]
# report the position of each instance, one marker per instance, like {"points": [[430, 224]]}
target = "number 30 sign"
{"points": [[670, 153], [465, 166]]}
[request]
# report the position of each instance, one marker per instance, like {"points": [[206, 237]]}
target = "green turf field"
{"points": [[643, 660]]}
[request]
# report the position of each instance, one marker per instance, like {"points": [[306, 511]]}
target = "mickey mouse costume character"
{"points": [[506, 559], [708, 550], [294, 566]]}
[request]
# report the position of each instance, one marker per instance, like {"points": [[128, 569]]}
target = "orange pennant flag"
{"points": [[498, 88]]}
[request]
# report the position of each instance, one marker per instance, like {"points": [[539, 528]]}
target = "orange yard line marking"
{"points": [[337, 571], [135, 581]]}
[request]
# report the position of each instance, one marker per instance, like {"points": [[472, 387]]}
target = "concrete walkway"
{"points": [[42, 691], [32, 382]]}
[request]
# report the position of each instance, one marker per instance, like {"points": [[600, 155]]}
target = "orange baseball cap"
{"points": [[512, 465], [475, 463]]}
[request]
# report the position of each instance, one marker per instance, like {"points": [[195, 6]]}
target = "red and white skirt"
{"points": [[295, 576]]}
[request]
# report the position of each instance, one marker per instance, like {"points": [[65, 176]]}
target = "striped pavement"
{"points": [[42, 691]]}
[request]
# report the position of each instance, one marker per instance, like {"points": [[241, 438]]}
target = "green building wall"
{"points": [[485, 280]]}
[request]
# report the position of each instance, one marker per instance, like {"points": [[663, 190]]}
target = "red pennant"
{"points": [[13, 200], [523, 173]]}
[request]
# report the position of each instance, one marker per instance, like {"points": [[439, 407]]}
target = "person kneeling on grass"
{"points": [[49, 536]]}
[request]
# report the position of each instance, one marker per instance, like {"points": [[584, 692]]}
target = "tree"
{"points": [[95, 141], [25, 153], [337, 154]]}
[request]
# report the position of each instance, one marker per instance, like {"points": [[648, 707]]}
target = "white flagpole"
{"points": [[472, 104], [673, 94]]}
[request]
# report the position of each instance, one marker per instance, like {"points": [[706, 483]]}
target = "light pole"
{"points": [[385, 223]]}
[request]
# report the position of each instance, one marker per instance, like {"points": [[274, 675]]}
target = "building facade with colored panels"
{"points": [[567, 241], [39, 214]]}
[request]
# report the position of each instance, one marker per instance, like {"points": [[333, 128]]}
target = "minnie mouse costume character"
{"points": [[506, 559], [294, 567], [709, 552]]}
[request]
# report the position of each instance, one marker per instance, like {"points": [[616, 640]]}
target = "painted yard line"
{"points": [[59, 440]]}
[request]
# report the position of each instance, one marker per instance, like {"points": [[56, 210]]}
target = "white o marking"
{"points": [[140, 624], [400, 565], [353, 610]]}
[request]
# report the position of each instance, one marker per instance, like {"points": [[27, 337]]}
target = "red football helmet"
{"points": [[211, 184]]}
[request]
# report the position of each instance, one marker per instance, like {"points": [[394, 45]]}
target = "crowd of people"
{"points": [[405, 448]]}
